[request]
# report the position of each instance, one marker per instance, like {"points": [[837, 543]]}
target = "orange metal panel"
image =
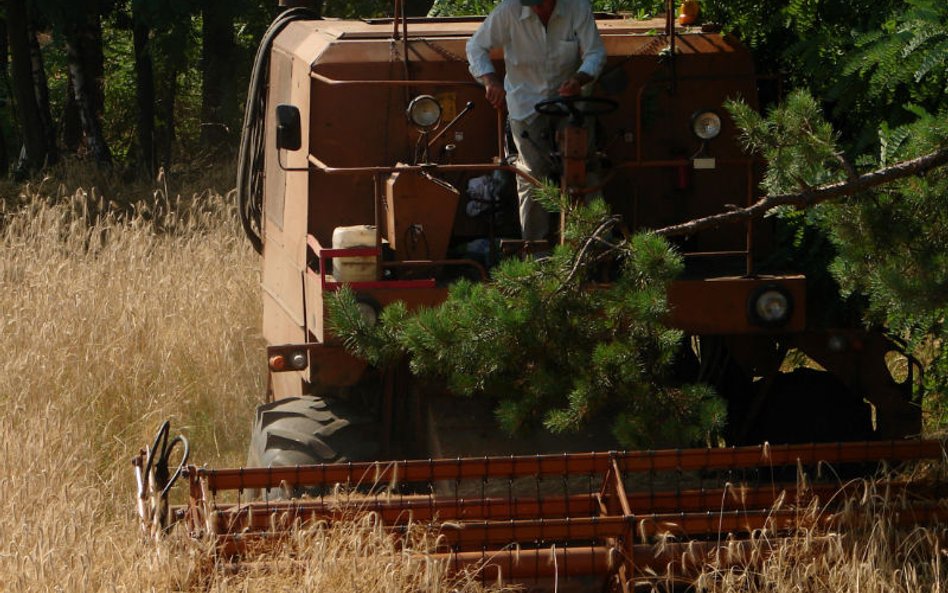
{"points": [[661, 564], [472, 535], [334, 366], [720, 305], [283, 290], [400, 510], [281, 66], [419, 214]]}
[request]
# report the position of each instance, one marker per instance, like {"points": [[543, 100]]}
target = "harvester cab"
{"points": [[371, 159]]}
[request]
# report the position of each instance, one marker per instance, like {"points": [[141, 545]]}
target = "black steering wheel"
{"points": [[576, 107]]}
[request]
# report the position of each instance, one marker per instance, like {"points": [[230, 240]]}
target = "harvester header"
{"points": [[586, 521]]}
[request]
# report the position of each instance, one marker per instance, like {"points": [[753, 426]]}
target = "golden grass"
{"points": [[869, 551], [114, 318], [358, 554]]}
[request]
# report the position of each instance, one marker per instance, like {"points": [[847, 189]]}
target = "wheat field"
{"points": [[126, 306]]}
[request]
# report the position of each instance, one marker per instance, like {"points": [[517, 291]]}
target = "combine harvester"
{"points": [[370, 158]]}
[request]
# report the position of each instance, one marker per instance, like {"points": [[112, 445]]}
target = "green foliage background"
{"points": [[880, 71]]}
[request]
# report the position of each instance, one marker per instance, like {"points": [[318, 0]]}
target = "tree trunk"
{"points": [[144, 93], [93, 57], [164, 111], [41, 90], [84, 89], [35, 147], [219, 98], [173, 50], [70, 124], [5, 78]]}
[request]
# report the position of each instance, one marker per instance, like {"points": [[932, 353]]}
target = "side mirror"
{"points": [[288, 135]]}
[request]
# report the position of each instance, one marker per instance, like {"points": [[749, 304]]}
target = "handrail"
{"points": [[389, 82], [423, 168]]}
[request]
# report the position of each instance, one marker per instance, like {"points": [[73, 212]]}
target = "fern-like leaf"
{"points": [[936, 57]]}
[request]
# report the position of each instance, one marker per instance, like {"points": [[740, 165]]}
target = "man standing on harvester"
{"points": [[551, 48]]}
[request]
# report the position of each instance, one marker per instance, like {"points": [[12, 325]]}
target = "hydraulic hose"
{"points": [[250, 158]]}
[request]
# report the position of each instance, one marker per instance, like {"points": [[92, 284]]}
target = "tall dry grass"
{"points": [[870, 550], [118, 313], [111, 320]]}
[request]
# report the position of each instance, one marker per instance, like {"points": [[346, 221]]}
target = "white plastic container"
{"points": [[354, 269]]}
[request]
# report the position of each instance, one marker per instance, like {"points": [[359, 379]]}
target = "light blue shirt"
{"points": [[538, 59]]}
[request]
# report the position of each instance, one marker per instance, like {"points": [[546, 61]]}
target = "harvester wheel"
{"points": [[308, 430]]}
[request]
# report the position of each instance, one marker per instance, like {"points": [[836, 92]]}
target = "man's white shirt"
{"points": [[537, 59]]}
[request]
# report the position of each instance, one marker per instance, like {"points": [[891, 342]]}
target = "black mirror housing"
{"points": [[288, 134]]}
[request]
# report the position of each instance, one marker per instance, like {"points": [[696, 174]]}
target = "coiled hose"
{"points": [[250, 158]]}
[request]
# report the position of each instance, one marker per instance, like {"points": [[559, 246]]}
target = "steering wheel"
{"points": [[576, 107]]}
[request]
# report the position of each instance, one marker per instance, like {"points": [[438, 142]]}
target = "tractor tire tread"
{"points": [[311, 429]]}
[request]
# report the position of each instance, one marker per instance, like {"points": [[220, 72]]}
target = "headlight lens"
{"points": [[771, 305], [297, 360], [706, 125], [424, 111]]}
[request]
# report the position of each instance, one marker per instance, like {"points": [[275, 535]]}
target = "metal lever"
{"points": [[465, 111]]}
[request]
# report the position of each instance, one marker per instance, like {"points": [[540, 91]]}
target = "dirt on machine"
{"points": [[371, 159]]}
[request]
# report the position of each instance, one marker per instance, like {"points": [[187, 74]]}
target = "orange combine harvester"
{"points": [[371, 159]]}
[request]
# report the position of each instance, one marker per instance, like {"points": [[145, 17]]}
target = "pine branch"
{"points": [[813, 196], [581, 257]]}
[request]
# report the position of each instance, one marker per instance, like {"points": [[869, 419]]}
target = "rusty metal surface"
{"points": [[602, 520], [376, 67], [721, 305], [574, 464], [419, 215], [689, 507]]}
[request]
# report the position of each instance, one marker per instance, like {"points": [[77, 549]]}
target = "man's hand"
{"points": [[493, 90], [574, 84]]}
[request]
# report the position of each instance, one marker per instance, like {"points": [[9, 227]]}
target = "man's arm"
{"points": [[592, 50], [493, 89], [488, 35], [574, 84]]}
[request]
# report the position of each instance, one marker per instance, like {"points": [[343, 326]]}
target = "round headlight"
{"points": [[771, 305], [706, 125], [297, 360], [424, 111]]}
